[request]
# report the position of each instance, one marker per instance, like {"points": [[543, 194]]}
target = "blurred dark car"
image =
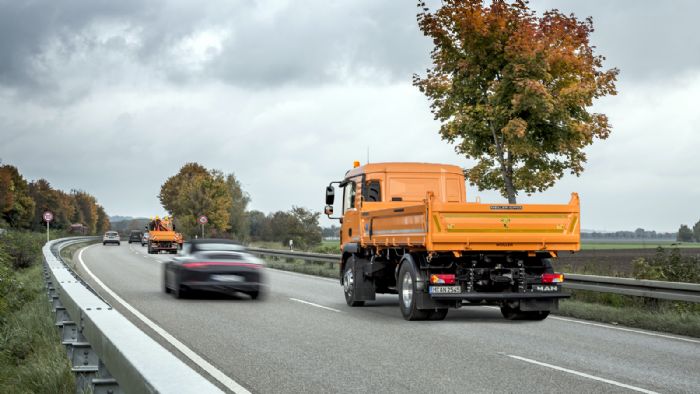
{"points": [[217, 265], [135, 236]]}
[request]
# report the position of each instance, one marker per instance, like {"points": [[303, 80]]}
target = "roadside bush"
{"points": [[23, 248], [669, 266]]}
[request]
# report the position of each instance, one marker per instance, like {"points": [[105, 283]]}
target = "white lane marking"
{"points": [[585, 375], [194, 357], [292, 273], [653, 334], [625, 329], [312, 304]]}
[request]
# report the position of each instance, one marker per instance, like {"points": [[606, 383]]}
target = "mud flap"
{"points": [[364, 286], [539, 305]]}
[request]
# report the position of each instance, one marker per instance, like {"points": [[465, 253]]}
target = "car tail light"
{"points": [[552, 278], [442, 279], [200, 264]]}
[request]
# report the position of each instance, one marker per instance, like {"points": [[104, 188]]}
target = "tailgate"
{"points": [[531, 227]]}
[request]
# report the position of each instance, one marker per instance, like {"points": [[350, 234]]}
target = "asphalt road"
{"points": [[303, 338]]}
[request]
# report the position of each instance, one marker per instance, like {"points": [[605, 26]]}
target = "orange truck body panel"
{"points": [[424, 207]]}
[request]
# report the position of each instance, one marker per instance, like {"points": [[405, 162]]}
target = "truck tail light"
{"points": [[552, 278], [442, 279]]}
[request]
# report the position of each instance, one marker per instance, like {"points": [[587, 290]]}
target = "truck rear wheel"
{"points": [[406, 284], [349, 283]]}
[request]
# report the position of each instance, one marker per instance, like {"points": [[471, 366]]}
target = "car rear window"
{"points": [[112, 233]]}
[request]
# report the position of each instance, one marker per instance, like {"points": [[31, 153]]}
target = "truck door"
{"points": [[350, 230]]}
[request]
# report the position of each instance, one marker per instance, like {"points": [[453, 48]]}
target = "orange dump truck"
{"points": [[162, 236], [407, 228]]}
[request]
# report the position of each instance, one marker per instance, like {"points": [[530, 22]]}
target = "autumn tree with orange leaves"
{"points": [[513, 91]]}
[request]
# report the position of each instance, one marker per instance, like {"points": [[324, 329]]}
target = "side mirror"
{"points": [[330, 196], [329, 210]]}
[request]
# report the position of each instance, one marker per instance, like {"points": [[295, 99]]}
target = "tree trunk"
{"points": [[506, 167]]}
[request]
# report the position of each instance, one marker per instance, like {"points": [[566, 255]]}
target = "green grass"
{"points": [[637, 245], [667, 320], [32, 358]]}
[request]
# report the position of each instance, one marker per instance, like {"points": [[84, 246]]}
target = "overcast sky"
{"points": [[113, 97]]}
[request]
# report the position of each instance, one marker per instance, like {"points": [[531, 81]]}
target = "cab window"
{"points": [[373, 192], [348, 196]]}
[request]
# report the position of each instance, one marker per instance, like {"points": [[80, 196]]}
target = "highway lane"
{"points": [[304, 338]]}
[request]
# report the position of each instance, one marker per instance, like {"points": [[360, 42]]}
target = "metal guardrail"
{"points": [[675, 291], [108, 353]]}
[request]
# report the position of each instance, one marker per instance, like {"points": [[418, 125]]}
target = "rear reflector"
{"points": [[201, 264], [552, 278], [442, 279]]}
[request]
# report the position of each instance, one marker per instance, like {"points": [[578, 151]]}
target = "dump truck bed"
{"points": [[451, 226]]}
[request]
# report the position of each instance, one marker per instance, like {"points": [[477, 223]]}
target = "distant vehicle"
{"points": [[162, 236], [135, 236], [144, 239], [111, 237], [216, 265]]}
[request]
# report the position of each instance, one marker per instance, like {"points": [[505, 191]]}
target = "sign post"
{"points": [[48, 217], [203, 220]]}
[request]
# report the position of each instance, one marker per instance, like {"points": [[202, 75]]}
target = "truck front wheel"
{"points": [[408, 293], [349, 285]]}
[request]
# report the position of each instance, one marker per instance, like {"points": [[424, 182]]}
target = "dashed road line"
{"points": [[313, 304], [582, 374]]}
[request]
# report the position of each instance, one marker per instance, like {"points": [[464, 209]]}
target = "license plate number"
{"points": [[545, 288], [445, 289], [227, 278]]}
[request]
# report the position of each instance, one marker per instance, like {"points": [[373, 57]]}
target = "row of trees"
{"points": [[686, 234], [196, 191], [23, 203], [639, 233]]}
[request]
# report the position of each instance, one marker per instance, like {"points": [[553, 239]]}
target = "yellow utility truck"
{"points": [[162, 236], [407, 228]]}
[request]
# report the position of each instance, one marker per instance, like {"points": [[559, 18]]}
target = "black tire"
{"points": [[511, 313], [104, 243], [406, 286], [437, 314], [166, 289], [119, 244], [349, 284], [178, 291]]}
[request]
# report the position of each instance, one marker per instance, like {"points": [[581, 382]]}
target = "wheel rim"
{"points": [[348, 281], [407, 290]]}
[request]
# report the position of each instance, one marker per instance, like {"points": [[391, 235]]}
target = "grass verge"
{"points": [[32, 358], [671, 321]]}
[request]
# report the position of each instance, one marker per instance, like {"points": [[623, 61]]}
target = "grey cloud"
{"points": [[27, 27]]}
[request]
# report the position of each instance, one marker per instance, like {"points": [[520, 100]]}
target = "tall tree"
{"points": [[102, 224], [17, 206], [85, 210], [196, 191], [685, 234], [696, 231], [513, 91], [238, 220]]}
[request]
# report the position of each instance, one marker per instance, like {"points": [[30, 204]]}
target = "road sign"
{"points": [[203, 220], [48, 216]]}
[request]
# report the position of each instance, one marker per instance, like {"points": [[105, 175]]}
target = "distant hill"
{"points": [[117, 218], [124, 224]]}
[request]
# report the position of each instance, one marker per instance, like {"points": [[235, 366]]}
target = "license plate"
{"points": [[227, 278], [445, 289], [545, 288]]}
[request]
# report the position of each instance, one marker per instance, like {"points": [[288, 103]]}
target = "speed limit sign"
{"points": [[48, 216], [203, 220]]}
